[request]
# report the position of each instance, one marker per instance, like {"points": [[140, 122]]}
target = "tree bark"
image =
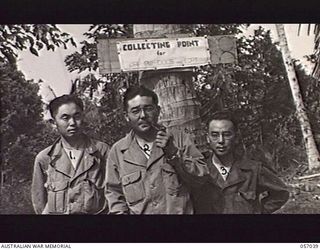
{"points": [[310, 145], [174, 87], [316, 69]]}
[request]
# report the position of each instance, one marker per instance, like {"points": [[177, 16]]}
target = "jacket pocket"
{"points": [[249, 196], [57, 196], [93, 197], [245, 202], [133, 187], [171, 180]]}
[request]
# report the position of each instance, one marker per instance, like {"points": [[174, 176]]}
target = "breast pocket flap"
{"points": [[131, 178]]}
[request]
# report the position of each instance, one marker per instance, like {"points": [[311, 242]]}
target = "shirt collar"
{"points": [[56, 147], [217, 162]]}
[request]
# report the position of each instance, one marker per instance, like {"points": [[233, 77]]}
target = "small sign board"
{"points": [[164, 53], [153, 54]]}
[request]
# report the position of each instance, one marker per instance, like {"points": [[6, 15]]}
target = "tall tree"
{"points": [[23, 133], [310, 145], [316, 70]]}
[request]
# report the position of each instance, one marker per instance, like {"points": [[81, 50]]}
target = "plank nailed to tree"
{"points": [[191, 51]]}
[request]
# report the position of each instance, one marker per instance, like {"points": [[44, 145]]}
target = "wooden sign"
{"points": [[164, 53]]}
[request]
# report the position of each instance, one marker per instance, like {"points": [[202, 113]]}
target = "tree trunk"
{"points": [[174, 87], [316, 69], [310, 145]]}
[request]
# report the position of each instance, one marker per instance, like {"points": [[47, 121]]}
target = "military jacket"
{"points": [[250, 188], [137, 185], [58, 188]]}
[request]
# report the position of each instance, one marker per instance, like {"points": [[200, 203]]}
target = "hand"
{"points": [[164, 140]]}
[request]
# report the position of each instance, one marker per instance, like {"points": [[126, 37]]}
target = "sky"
{"points": [[51, 69]]}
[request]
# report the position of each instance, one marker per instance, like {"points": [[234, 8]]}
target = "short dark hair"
{"points": [[224, 115], [133, 91], [64, 99]]}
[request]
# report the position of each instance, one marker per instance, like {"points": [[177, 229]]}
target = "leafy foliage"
{"points": [[23, 133], [33, 37], [257, 91], [310, 93], [87, 59]]}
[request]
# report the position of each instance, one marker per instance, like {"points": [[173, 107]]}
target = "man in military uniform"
{"points": [[237, 185], [69, 176], [147, 170]]}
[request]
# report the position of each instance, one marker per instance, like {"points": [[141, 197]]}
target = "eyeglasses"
{"points": [[136, 111], [215, 136]]}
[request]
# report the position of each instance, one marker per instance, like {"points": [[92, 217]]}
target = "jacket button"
{"points": [[154, 203], [152, 186]]}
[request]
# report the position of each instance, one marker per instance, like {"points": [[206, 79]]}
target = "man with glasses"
{"points": [[237, 185], [147, 169]]}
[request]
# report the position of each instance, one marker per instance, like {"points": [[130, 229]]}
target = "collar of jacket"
{"points": [[133, 154], [56, 153], [237, 174], [55, 149]]}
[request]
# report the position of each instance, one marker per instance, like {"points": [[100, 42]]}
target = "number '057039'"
{"points": [[309, 245]]}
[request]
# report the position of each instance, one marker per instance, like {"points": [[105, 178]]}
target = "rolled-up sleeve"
{"points": [[114, 194], [190, 163]]}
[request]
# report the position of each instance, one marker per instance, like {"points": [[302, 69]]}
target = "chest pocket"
{"points": [[133, 187], [57, 196], [171, 180]]}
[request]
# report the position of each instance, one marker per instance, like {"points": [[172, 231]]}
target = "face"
{"points": [[142, 113], [221, 137], [68, 120]]}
